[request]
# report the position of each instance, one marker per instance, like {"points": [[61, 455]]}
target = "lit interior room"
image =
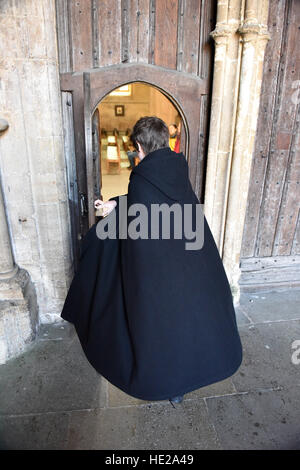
{"points": [[118, 113]]}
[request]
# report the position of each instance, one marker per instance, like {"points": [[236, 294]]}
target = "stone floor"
{"points": [[51, 398]]}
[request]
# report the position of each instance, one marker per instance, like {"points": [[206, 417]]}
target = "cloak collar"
{"points": [[166, 170]]}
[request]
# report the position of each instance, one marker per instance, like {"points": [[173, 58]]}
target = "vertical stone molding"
{"points": [[7, 267], [223, 110], [240, 37], [18, 307]]}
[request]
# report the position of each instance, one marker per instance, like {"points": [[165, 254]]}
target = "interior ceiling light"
{"points": [[124, 90]]}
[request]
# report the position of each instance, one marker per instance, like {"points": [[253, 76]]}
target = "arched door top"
{"points": [[188, 92], [176, 85], [104, 79]]}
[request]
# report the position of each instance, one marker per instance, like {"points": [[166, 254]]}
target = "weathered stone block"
{"points": [[18, 315], [35, 36], [41, 153]]}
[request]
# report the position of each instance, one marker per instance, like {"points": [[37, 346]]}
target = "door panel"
{"points": [[71, 172], [96, 154], [88, 140], [92, 153]]}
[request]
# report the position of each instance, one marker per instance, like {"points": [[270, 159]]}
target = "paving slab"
{"points": [[50, 376], [261, 420], [117, 397], [56, 331], [46, 431], [271, 306], [151, 426], [267, 356], [241, 317], [224, 387]]}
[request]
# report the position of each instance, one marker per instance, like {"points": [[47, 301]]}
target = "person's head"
{"points": [[149, 133], [172, 129]]}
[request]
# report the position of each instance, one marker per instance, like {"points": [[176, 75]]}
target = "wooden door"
{"points": [[271, 241], [109, 43]]}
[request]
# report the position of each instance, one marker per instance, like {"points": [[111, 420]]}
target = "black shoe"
{"points": [[176, 399]]}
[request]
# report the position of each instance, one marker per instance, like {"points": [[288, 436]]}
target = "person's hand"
{"points": [[104, 208]]}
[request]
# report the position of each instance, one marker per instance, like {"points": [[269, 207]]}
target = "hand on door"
{"points": [[103, 208]]}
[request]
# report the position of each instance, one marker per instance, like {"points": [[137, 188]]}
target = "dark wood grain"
{"points": [[263, 152], [280, 141], [81, 34], [166, 17], [109, 32], [272, 222], [191, 34]]}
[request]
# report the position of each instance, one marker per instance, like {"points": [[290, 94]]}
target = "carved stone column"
{"points": [[18, 307], [240, 38], [223, 110], [254, 37], [7, 266]]}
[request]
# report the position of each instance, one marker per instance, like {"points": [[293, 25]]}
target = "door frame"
{"points": [[189, 93]]}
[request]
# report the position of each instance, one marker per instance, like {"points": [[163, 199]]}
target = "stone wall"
{"points": [[32, 153]]}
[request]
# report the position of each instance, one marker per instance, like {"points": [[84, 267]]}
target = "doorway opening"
{"points": [[117, 113]]}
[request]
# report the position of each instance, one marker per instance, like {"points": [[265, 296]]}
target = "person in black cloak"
{"points": [[153, 311]]}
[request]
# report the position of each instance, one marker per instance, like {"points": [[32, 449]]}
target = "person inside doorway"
{"points": [[154, 317], [174, 139], [132, 155]]}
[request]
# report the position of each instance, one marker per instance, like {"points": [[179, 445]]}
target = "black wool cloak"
{"points": [[155, 319]]}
